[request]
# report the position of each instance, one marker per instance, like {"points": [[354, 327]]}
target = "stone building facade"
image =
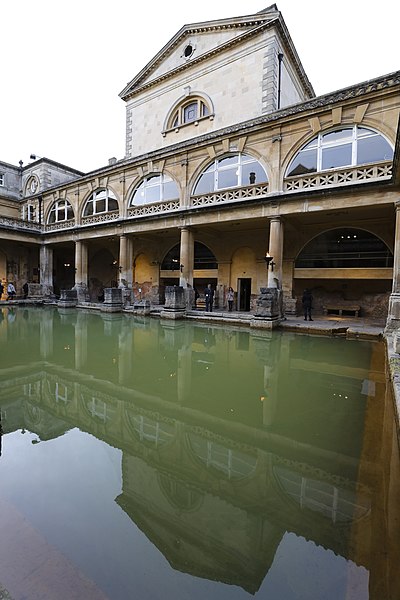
{"points": [[230, 159]]}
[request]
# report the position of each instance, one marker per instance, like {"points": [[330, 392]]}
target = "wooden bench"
{"points": [[348, 309]]}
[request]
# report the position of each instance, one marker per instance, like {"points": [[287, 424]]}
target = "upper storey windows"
{"points": [[61, 210], [155, 188], [189, 110], [341, 148], [236, 170], [100, 201]]}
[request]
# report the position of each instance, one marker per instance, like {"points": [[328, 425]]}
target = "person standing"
{"points": [[1, 289], [209, 295], [10, 291], [230, 296], [306, 301]]}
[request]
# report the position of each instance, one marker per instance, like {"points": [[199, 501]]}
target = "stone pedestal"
{"points": [[68, 299], [82, 292], [268, 313], [175, 303], [289, 306], [112, 300], [393, 320], [141, 307]]}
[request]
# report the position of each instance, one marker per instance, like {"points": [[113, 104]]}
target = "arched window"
{"points": [[190, 110], [235, 170], [101, 201], [203, 258], [350, 247], [155, 188], [61, 210], [345, 147]]}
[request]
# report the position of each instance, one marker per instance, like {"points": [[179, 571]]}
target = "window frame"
{"points": [[95, 198], [214, 167], [2, 179], [57, 208], [177, 117], [318, 144], [144, 185]]}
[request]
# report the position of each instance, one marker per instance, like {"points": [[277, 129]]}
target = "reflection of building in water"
{"points": [[215, 492]]}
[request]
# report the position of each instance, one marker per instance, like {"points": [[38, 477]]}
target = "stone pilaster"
{"points": [[46, 271], [393, 319]]}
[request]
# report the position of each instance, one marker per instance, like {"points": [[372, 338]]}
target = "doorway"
{"points": [[244, 294]]}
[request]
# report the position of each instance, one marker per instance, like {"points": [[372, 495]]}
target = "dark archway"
{"points": [[346, 247]]}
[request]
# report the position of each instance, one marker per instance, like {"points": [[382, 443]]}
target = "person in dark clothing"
{"points": [[306, 301], [209, 295], [25, 289]]}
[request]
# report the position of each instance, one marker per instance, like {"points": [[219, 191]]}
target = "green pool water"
{"points": [[146, 459]]}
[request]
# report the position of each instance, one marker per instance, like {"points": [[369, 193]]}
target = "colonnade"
{"points": [[270, 277]]}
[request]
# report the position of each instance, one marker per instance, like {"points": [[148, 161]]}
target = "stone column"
{"points": [[186, 257], [81, 270], [276, 251], [46, 270], [393, 320], [125, 268]]}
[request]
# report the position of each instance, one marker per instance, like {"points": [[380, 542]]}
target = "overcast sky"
{"points": [[65, 62]]}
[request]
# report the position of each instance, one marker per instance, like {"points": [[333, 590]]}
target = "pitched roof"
{"points": [[250, 25]]}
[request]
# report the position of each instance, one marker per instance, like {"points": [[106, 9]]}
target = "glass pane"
{"points": [[337, 136], [170, 190], [153, 194], [228, 160], [362, 132], [190, 112], [336, 157], [256, 168], [205, 185], [52, 216], [70, 212], [112, 204], [152, 180], [88, 209], [204, 110], [138, 196], [373, 149], [227, 178], [305, 162], [101, 205], [312, 144]]}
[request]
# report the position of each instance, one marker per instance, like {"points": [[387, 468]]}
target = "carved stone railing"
{"points": [[338, 177], [231, 195], [153, 209], [101, 218], [60, 225], [20, 224]]}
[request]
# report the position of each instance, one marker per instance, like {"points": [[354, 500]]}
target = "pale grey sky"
{"points": [[64, 63]]}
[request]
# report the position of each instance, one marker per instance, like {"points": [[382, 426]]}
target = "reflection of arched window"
{"points": [[61, 210], [190, 110], [345, 248], [155, 188], [235, 170], [101, 201], [147, 430], [203, 258], [338, 504], [232, 463], [179, 494], [340, 148]]}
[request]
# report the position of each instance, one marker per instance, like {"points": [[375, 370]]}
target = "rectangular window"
{"points": [[1, 178]]}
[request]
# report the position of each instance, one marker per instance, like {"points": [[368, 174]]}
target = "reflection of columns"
{"points": [[46, 335], [184, 370], [81, 341], [46, 269], [394, 301], [186, 257], [125, 344], [275, 250], [81, 263]]}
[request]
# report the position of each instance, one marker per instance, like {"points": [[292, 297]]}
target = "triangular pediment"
{"points": [[196, 42]]}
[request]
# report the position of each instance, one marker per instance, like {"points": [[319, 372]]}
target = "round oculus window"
{"points": [[188, 51]]}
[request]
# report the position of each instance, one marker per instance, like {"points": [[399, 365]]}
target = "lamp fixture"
{"points": [[269, 260]]}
